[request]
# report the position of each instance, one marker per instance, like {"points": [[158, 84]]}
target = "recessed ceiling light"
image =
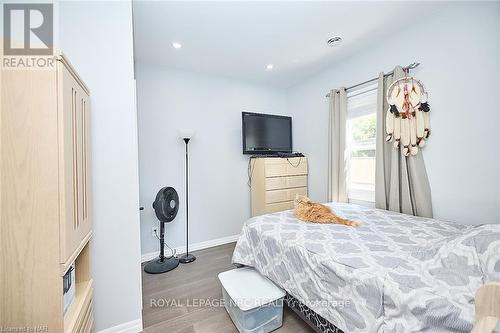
{"points": [[269, 67], [334, 40], [176, 45]]}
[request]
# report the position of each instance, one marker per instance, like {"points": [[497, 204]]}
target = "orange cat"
{"points": [[308, 211]]}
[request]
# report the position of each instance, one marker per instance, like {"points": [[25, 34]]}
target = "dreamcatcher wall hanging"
{"points": [[407, 120]]}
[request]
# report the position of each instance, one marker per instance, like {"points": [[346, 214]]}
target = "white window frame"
{"points": [[356, 107]]}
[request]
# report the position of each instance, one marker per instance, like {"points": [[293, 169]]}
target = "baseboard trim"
{"points": [[194, 247], [134, 326]]}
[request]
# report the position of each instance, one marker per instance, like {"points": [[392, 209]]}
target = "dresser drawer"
{"points": [[293, 160], [286, 169], [276, 183], [284, 195], [279, 206]]}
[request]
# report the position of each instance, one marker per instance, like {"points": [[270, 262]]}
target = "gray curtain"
{"points": [[337, 172], [401, 183]]}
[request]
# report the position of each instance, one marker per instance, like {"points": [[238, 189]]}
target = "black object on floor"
{"points": [[160, 265], [187, 258], [166, 206]]}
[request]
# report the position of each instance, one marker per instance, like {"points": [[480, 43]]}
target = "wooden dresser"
{"points": [[275, 182], [45, 224]]}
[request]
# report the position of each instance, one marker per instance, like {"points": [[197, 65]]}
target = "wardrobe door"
{"points": [[73, 136], [84, 223]]}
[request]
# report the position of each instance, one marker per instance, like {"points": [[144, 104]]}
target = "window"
{"points": [[360, 144]]}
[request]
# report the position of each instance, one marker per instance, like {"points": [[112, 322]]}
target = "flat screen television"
{"points": [[266, 133]]}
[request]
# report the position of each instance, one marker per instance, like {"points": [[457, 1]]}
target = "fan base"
{"points": [[187, 258], [157, 266]]}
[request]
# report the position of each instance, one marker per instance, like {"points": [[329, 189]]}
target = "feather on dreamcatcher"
{"points": [[407, 119]]}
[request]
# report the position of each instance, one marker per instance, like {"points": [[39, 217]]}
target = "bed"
{"points": [[395, 273]]}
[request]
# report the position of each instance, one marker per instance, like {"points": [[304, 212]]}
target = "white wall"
{"points": [[219, 196], [97, 38], [459, 51]]}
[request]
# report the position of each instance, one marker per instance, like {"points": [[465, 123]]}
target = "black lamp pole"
{"points": [[187, 258]]}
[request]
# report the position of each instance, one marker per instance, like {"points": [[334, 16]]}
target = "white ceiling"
{"points": [[238, 39]]}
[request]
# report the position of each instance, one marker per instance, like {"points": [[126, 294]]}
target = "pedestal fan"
{"points": [[166, 206]]}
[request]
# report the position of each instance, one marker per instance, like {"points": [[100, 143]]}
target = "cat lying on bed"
{"points": [[308, 211]]}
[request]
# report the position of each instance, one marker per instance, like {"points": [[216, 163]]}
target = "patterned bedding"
{"points": [[395, 273]]}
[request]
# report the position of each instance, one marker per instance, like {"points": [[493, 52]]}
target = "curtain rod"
{"points": [[407, 68]]}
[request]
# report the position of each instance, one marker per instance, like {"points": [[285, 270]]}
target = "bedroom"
{"points": [[155, 72]]}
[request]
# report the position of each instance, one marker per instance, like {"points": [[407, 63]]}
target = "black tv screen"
{"points": [[266, 133]]}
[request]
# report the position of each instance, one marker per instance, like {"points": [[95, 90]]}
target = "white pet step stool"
{"points": [[254, 303]]}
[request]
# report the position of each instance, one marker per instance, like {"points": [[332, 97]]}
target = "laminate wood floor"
{"points": [[186, 299]]}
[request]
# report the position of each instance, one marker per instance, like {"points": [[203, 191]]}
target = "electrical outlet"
{"points": [[154, 231]]}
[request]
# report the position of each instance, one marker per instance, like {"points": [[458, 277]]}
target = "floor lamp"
{"points": [[187, 135]]}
